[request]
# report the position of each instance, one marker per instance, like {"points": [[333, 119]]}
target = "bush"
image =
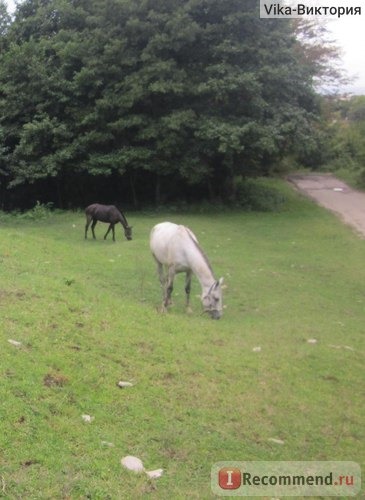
{"points": [[259, 195], [39, 212]]}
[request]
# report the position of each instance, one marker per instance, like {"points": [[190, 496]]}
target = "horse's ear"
{"points": [[218, 283]]}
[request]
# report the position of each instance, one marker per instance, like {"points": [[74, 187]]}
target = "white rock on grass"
{"points": [[276, 441], [154, 474], [135, 464], [341, 347], [14, 342], [123, 384], [87, 418], [132, 463]]}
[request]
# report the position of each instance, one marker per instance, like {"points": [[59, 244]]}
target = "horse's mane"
{"points": [[199, 248], [123, 216]]}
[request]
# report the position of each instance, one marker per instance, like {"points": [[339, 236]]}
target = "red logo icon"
{"points": [[229, 478]]}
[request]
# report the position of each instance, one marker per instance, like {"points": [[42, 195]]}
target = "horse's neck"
{"points": [[123, 220], [201, 268]]}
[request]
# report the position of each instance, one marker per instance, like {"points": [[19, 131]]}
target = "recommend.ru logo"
{"points": [[280, 479]]}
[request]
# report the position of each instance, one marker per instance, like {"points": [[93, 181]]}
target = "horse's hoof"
{"points": [[189, 310], [162, 309]]}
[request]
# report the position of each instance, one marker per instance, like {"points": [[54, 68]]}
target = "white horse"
{"points": [[177, 248]]}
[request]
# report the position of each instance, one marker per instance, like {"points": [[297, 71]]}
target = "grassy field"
{"points": [[85, 313]]}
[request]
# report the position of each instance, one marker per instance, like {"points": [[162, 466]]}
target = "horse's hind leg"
{"points": [[169, 286], [161, 274], [93, 227], [161, 277], [111, 226], [88, 220], [187, 291]]}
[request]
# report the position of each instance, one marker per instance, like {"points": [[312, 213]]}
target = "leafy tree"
{"points": [[178, 92], [320, 53], [5, 19]]}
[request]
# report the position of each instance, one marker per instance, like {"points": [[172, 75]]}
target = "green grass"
{"points": [[86, 315]]}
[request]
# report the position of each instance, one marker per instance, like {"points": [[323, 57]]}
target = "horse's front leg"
{"points": [[111, 226], [187, 291], [169, 286]]}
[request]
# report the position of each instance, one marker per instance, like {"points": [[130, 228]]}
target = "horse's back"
{"points": [[169, 243], [94, 208], [103, 213], [89, 210], [163, 233]]}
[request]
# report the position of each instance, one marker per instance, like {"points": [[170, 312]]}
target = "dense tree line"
{"points": [[148, 99], [344, 149]]}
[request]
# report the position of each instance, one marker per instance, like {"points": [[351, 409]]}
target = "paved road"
{"points": [[334, 195]]}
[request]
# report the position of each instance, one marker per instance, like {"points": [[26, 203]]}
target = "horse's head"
{"points": [[128, 232], [212, 300]]}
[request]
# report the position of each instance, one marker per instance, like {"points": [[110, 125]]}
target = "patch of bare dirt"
{"points": [[55, 380]]}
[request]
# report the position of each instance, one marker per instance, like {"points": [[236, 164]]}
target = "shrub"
{"points": [[259, 195], [39, 212]]}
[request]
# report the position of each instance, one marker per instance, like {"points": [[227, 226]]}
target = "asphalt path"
{"points": [[331, 193]]}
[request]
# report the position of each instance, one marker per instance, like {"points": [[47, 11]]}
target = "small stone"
{"points": [[154, 474], [14, 342], [87, 418], [122, 384], [276, 441], [132, 463]]}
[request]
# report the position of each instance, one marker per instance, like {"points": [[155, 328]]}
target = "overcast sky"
{"points": [[349, 34]]}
